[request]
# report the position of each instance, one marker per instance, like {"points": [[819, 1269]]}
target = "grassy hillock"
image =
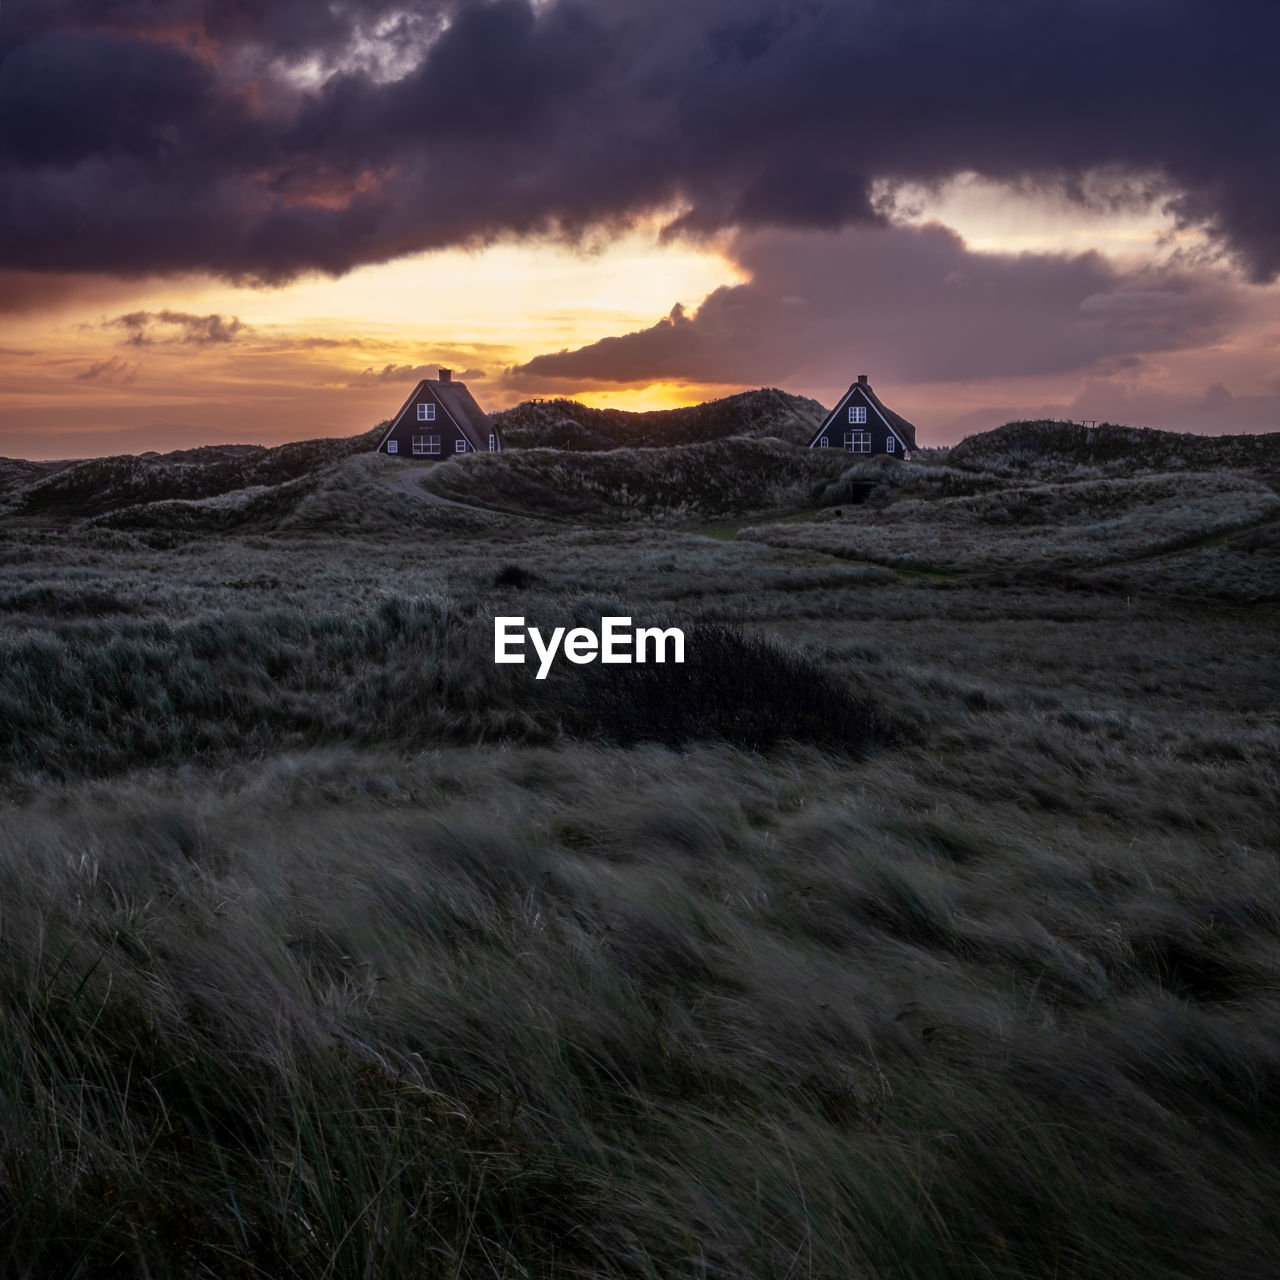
{"points": [[334, 484], [100, 485], [16, 474], [343, 488], [208, 454], [673, 484], [925, 923], [106, 696], [884, 479], [1081, 524], [1021, 448], [252, 509], [566, 424], [363, 496]]}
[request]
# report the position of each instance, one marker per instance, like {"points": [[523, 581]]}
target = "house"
{"points": [[439, 420], [861, 424]]}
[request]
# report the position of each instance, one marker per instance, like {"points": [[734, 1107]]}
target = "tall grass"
{"points": [[105, 698], [1087, 523], [110, 696], [941, 939], [625, 1014]]}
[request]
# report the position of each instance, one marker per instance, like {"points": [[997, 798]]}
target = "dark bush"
{"points": [[512, 575], [851, 492], [740, 688]]}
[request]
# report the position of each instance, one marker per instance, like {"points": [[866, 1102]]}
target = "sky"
{"points": [[265, 220]]}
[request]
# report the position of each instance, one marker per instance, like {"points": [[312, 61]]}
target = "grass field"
{"points": [[926, 924]]}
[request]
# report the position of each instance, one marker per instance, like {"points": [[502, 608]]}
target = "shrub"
{"points": [[740, 688], [512, 575]]}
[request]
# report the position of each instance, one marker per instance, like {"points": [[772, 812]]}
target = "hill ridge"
{"points": [[562, 423], [1030, 446]]}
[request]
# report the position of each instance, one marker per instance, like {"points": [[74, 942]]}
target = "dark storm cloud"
{"points": [[910, 302], [278, 27], [165, 136]]}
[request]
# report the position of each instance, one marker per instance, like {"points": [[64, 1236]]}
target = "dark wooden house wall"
{"points": [[439, 437], [878, 434]]}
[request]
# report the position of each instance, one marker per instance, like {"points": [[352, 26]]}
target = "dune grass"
{"points": [[586, 1012], [1018, 449], [678, 485], [567, 424], [927, 924], [1078, 525], [113, 694]]}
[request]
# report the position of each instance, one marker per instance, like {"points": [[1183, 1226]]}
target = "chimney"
{"points": [[446, 374], [862, 379]]}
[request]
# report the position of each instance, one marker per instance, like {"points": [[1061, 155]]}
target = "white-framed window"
{"points": [[426, 444], [459, 445], [857, 441], [393, 446], [890, 445], [858, 413], [426, 413], [493, 444], [824, 443]]}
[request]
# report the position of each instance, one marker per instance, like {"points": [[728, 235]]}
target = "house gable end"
{"points": [[834, 416], [880, 413], [395, 422], [860, 394], [457, 419]]}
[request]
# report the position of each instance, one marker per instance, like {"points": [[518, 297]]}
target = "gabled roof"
{"points": [[903, 429], [896, 423], [459, 404]]}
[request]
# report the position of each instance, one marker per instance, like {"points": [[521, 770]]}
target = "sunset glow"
{"points": [[323, 356], [611, 235]]}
